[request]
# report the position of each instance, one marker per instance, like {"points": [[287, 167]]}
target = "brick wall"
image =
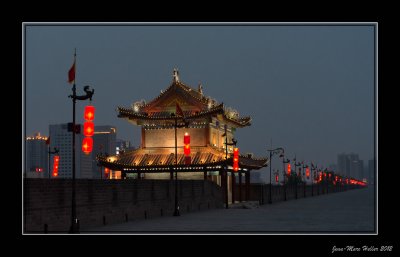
{"points": [[111, 201], [260, 192]]}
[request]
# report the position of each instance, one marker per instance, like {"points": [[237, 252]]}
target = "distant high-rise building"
{"points": [[104, 142], [354, 165], [36, 165], [350, 165], [371, 171], [361, 169], [341, 164], [61, 138]]}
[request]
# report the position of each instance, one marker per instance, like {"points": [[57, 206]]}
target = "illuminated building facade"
{"points": [[61, 138], [36, 156]]}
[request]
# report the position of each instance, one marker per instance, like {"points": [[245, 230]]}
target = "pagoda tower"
{"points": [[210, 125]]}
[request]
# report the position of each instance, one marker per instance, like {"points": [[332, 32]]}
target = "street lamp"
{"points": [[284, 173], [272, 153], [312, 178], [89, 94], [305, 180], [234, 142], [327, 179], [186, 124], [296, 164], [56, 151], [319, 176]]}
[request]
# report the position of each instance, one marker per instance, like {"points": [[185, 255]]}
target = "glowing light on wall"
{"points": [[87, 145], [89, 113], [186, 148], [56, 162], [88, 129], [236, 159]]}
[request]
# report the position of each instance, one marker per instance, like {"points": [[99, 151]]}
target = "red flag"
{"points": [[48, 141], [71, 74], [179, 110]]}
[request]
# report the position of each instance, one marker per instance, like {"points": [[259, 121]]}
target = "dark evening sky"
{"points": [[308, 88]]}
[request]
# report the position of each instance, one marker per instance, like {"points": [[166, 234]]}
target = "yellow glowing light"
{"points": [[90, 115]]}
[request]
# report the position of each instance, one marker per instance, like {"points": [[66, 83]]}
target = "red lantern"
{"points": [[288, 169], [276, 178], [186, 139], [236, 159], [89, 113], [56, 162], [87, 145], [308, 173], [88, 128], [186, 148]]}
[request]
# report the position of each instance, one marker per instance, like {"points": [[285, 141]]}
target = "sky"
{"points": [[308, 89]]}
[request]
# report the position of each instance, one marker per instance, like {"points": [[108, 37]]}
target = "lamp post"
{"points": [[89, 94], [234, 142], [296, 164], [319, 174], [272, 153], [327, 180], [312, 178], [305, 178], [284, 175], [176, 211], [56, 151]]}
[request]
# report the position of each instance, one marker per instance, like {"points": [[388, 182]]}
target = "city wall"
{"points": [[261, 192], [47, 203]]}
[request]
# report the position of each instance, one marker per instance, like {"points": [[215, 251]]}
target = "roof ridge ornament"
{"points": [[176, 75], [200, 89]]}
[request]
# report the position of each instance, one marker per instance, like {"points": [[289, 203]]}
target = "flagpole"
{"points": [[89, 94], [74, 228]]}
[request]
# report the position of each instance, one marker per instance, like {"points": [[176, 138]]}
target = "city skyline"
{"points": [[309, 89]]}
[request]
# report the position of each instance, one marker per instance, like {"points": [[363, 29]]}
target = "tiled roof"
{"points": [[178, 87], [161, 158], [129, 113], [151, 110]]}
